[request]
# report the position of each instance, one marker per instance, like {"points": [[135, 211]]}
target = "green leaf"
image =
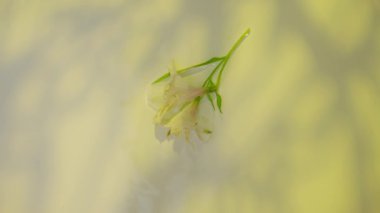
{"points": [[210, 61], [210, 86], [165, 76], [211, 101], [181, 71], [207, 131], [219, 101]]}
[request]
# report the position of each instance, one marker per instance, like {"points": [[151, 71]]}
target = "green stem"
{"points": [[229, 54], [220, 75], [222, 63], [212, 73], [238, 42]]}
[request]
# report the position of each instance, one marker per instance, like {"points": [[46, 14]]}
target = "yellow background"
{"points": [[300, 130]]}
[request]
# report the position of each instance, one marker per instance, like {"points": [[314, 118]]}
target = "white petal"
{"points": [[196, 76], [205, 118], [155, 94], [182, 147], [161, 132], [181, 120]]}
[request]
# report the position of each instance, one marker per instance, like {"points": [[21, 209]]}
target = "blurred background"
{"points": [[300, 129]]}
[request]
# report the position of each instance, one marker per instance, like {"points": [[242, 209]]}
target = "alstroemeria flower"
{"points": [[181, 110], [185, 99]]}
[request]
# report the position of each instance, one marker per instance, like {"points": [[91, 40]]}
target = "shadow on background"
{"points": [[299, 131]]}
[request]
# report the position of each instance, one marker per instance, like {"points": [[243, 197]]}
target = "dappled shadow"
{"points": [[63, 121]]}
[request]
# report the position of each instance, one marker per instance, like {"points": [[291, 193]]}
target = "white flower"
{"points": [[182, 111], [185, 100]]}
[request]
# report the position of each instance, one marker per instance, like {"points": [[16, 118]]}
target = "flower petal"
{"points": [[182, 121], [205, 120], [196, 76], [161, 132], [155, 97]]}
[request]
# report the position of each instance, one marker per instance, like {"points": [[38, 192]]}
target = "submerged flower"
{"points": [[185, 99], [181, 110]]}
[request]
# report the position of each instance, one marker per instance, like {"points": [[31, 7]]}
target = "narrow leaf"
{"points": [[211, 60], [211, 101], [207, 131], [182, 71], [219, 102], [165, 76]]}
